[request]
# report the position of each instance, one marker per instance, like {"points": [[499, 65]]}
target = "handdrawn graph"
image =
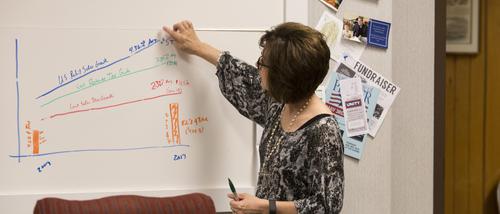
{"points": [[116, 109], [141, 73]]}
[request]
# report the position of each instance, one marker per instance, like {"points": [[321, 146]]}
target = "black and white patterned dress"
{"points": [[306, 166]]}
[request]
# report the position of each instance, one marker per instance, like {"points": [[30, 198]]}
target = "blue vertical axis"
{"points": [[17, 90]]}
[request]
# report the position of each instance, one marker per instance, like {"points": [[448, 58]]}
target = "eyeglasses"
{"points": [[259, 64]]}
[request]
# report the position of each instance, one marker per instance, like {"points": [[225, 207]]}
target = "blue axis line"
{"points": [[17, 95], [97, 150], [97, 69]]}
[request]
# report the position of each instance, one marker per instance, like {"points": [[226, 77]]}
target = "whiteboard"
{"points": [[118, 144], [109, 110]]}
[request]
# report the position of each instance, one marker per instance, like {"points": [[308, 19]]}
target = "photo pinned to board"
{"points": [[355, 28], [365, 30], [332, 4]]}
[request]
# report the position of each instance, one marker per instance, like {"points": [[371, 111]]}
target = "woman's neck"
{"points": [[292, 114], [293, 108]]}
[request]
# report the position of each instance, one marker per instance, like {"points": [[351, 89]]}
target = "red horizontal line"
{"points": [[113, 106]]}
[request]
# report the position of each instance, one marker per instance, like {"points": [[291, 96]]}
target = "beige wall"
{"points": [[395, 174], [413, 115]]}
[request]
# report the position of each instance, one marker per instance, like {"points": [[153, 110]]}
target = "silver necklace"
{"points": [[270, 150]]}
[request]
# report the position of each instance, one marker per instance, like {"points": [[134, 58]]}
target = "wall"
{"points": [[395, 174], [472, 160], [492, 113], [412, 136]]}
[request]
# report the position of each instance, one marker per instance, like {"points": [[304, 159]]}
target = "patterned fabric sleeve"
{"points": [[324, 152], [239, 82]]}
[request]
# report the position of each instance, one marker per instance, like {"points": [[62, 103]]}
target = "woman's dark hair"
{"points": [[297, 57]]}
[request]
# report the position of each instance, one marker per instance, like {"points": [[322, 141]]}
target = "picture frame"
{"points": [[332, 4], [462, 26]]}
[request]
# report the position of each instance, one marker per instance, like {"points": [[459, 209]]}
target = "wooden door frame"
{"points": [[439, 103]]}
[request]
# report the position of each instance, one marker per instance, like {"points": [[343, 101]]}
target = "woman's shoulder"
{"points": [[324, 129], [321, 122]]}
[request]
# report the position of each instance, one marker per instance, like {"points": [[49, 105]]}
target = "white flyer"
{"points": [[351, 91], [388, 90]]}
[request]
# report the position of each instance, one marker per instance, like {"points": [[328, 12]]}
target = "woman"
{"points": [[301, 149]]}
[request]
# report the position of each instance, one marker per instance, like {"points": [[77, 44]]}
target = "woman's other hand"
{"points": [[247, 204]]}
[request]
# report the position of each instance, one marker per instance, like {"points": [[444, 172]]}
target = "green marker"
{"points": [[233, 190]]}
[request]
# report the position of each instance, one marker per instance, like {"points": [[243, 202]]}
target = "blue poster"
{"points": [[378, 33], [353, 146]]}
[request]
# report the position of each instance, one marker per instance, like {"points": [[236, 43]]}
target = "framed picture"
{"points": [[462, 26], [332, 4]]}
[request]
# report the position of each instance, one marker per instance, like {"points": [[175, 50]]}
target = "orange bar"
{"points": [[166, 128], [36, 142], [174, 119]]}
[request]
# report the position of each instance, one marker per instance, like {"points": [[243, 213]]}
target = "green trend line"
{"points": [[90, 86]]}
